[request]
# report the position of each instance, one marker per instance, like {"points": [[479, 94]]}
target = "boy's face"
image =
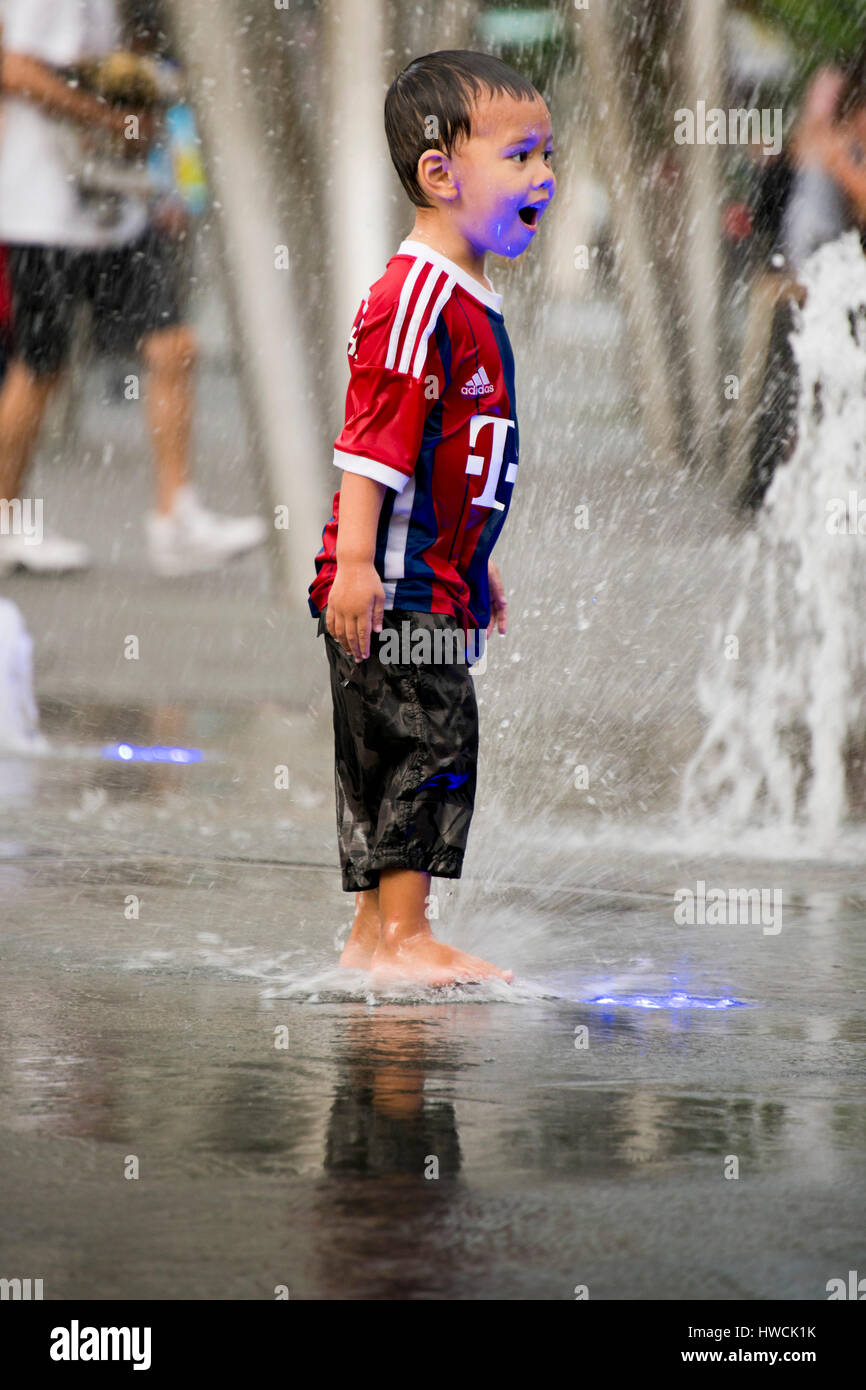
{"points": [[503, 168]]}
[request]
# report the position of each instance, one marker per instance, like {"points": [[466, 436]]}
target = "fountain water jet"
{"points": [[19, 716], [785, 710]]}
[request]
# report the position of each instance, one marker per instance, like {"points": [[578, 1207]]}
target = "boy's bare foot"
{"points": [[359, 949], [429, 962], [406, 949]]}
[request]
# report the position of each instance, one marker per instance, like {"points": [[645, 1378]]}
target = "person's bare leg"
{"points": [[364, 938], [22, 409], [407, 948], [170, 355]]}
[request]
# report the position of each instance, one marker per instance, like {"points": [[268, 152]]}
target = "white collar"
{"points": [[463, 278]]}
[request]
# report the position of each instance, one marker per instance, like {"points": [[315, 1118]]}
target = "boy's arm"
{"points": [[393, 368], [356, 602], [23, 76]]}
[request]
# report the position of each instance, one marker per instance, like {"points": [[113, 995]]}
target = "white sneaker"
{"points": [[192, 538], [52, 554]]}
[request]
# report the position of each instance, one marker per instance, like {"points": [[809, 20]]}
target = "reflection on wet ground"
{"points": [[170, 996]]}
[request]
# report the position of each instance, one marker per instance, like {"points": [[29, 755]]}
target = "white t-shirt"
{"points": [[39, 152]]}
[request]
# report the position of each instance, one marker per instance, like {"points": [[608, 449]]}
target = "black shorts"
{"points": [[405, 750], [132, 290]]}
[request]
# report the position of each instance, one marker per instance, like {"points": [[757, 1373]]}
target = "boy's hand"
{"points": [[498, 601], [355, 607]]}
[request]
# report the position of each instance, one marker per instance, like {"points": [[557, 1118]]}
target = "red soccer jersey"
{"points": [[431, 412]]}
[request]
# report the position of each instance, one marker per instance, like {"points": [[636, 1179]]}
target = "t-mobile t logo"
{"points": [[475, 462]]}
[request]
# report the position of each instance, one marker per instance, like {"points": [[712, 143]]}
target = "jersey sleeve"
{"points": [[396, 376]]}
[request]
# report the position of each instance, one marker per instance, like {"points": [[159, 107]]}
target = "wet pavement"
{"points": [[196, 1103], [170, 995]]}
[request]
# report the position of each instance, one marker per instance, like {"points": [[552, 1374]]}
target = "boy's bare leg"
{"points": [[407, 948], [170, 354], [358, 950], [22, 407]]}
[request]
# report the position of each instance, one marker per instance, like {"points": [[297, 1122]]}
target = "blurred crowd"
{"points": [[100, 183]]}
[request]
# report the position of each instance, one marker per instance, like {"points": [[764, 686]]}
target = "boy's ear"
{"points": [[435, 176]]}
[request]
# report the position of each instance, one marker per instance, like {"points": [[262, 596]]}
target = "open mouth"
{"points": [[529, 215]]}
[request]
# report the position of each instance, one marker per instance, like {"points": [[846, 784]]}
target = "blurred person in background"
{"points": [[5, 314], [825, 199], [73, 238], [5, 288], [844, 146], [816, 212]]}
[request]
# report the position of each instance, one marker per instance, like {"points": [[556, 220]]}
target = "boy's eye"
{"points": [[523, 155]]}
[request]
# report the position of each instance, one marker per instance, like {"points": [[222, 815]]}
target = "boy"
{"points": [[429, 458]]}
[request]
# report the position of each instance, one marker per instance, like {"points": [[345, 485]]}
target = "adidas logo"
{"points": [[478, 386]]}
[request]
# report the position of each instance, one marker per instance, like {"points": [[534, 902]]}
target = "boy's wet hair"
{"points": [[429, 105]]}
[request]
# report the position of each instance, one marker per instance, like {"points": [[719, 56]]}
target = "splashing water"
{"points": [[19, 716], [785, 711]]}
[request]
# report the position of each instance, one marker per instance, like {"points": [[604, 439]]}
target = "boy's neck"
{"points": [[435, 232]]}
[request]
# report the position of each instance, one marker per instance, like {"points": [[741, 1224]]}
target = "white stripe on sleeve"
{"points": [[421, 354], [400, 317], [371, 468]]}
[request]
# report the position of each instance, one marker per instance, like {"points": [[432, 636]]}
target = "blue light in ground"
{"points": [[132, 752], [677, 1000]]}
